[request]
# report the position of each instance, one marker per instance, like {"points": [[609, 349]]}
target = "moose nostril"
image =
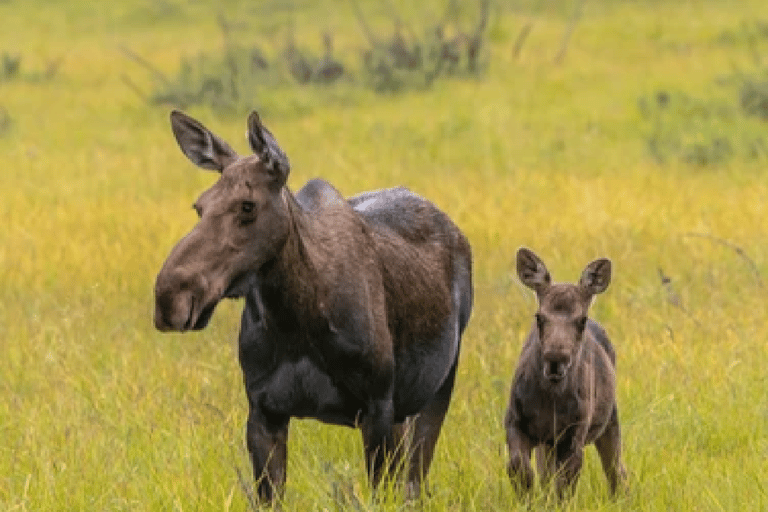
{"points": [[173, 305], [556, 369], [179, 296], [555, 366], [161, 324]]}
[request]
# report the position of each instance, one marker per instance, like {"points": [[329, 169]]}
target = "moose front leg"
{"points": [[568, 470], [519, 466], [266, 442], [378, 439], [570, 457]]}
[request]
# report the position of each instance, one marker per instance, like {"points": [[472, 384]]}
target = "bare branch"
{"points": [[526, 30], [399, 20], [364, 24], [738, 250], [138, 59], [569, 31], [673, 298], [135, 88], [521, 37]]}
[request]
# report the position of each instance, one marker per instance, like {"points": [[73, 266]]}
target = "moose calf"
{"points": [[563, 395]]}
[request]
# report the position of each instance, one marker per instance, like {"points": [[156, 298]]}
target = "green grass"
{"points": [[98, 411]]}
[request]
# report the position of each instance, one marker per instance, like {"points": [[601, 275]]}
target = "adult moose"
{"points": [[354, 309], [563, 394]]}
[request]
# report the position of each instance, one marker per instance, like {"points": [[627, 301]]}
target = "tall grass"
{"points": [[100, 412]]}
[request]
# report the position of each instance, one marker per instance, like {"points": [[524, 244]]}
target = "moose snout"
{"points": [[178, 301], [556, 365]]}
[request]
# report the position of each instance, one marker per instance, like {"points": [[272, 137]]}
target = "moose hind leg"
{"points": [[426, 429], [402, 439], [267, 445], [609, 448], [378, 439]]}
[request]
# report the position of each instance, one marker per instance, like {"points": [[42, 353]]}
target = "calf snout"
{"points": [[178, 301], [556, 365]]}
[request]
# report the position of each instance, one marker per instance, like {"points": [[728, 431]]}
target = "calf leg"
{"points": [[519, 466], [426, 429], [570, 457], [545, 463], [609, 448], [266, 442]]}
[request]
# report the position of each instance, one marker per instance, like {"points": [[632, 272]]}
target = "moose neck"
{"points": [[290, 282]]}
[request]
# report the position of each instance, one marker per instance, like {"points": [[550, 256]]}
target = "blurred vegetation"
{"points": [[11, 69], [232, 77], [5, 121], [710, 130]]}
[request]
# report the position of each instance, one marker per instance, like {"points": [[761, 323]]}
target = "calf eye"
{"points": [[198, 210], [247, 207], [581, 323], [540, 321]]}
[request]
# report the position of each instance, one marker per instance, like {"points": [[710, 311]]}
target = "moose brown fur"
{"points": [[354, 309], [563, 395]]}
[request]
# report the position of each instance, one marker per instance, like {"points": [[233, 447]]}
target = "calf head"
{"points": [[243, 222], [561, 319]]}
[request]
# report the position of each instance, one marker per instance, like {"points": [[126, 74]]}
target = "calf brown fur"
{"points": [[563, 395]]}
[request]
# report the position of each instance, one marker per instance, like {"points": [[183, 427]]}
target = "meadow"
{"points": [[98, 411]]}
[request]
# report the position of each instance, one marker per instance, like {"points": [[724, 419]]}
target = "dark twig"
{"points": [[231, 62], [364, 24], [673, 298], [525, 31], [569, 31], [138, 59], [135, 88], [399, 20], [738, 250], [475, 41], [521, 37], [52, 68]]}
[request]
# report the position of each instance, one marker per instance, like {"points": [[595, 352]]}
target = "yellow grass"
{"points": [[100, 412]]}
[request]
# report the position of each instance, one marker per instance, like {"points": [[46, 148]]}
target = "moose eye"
{"points": [[540, 321], [581, 323], [247, 213], [198, 209]]}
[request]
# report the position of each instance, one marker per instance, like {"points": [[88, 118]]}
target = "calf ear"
{"points": [[596, 276], [202, 147], [532, 271], [263, 143]]}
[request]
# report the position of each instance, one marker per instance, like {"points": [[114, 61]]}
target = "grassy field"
{"points": [[98, 411]]}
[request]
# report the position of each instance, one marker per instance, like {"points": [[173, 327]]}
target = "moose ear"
{"points": [[202, 147], [596, 276], [532, 271], [263, 143]]}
